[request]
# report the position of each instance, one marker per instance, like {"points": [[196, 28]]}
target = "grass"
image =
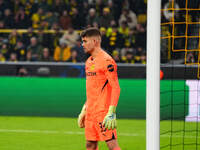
{"points": [[48, 133]]}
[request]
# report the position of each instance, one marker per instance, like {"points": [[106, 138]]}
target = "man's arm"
{"points": [[81, 117], [111, 74]]}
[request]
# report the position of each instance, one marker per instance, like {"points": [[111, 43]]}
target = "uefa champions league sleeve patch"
{"points": [[110, 68]]}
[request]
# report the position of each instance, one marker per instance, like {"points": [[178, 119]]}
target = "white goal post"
{"points": [[153, 76]]}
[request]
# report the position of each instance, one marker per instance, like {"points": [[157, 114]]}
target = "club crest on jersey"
{"points": [[92, 67], [110, 68]]}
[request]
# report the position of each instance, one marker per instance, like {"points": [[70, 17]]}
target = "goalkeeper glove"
{"points": [[110, 119], [81, 117]]}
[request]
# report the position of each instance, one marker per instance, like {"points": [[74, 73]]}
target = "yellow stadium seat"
{"points": [[142, 18]]}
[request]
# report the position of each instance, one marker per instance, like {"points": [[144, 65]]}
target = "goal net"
{"points": [[180, 46]]}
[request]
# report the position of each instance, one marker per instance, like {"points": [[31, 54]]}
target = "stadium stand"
{"points": [[52, 23]]}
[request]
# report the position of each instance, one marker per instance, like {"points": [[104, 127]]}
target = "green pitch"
{"points": [[42, 133]]}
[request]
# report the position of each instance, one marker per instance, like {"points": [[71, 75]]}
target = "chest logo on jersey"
{"points": [[91, 74], [91, 71]]}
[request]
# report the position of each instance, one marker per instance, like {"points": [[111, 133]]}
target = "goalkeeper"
{"points": [[98, 115]]}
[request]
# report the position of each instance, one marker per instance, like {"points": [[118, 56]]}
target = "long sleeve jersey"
{"points": [[102, 86]]}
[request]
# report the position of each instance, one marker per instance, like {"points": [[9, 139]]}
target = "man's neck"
{"points": [[95, 52]]}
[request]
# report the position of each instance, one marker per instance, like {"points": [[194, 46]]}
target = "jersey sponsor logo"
{"points": [[110, 68], [91, 73]]}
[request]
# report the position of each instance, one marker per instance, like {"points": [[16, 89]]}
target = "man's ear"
{"points": [[95, 41]]}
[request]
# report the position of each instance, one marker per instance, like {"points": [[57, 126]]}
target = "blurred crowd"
{"points": [[53, 26], [122, 24]]}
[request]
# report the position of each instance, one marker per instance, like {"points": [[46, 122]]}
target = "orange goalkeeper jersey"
{"points": [[102, 84]]}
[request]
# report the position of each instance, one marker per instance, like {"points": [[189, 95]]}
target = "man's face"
{"points": [[88, 44]]}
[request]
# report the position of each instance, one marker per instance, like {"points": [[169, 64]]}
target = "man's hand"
{"points": [[110, 119], [81, 118]]}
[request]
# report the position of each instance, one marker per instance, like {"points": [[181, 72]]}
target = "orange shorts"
{"points": [[95, 131]]}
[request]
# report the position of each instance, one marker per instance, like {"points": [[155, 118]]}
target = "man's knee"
{"points": [[92, 149], [91, 145], [113, 144]]}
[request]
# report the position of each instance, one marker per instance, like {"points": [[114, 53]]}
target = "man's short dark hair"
{"points": [[90, 32]]}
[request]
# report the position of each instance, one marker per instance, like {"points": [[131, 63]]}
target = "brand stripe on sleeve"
{"points": [[104, 85]]}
